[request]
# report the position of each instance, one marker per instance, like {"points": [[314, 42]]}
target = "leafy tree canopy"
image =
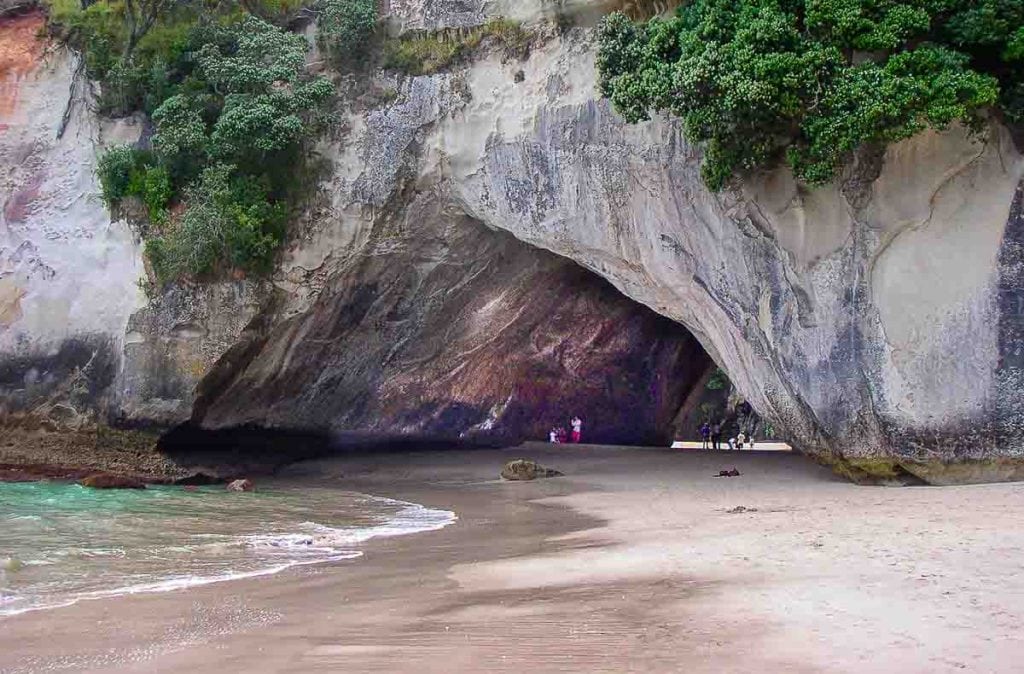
{"points": [[813, 80], [243, 100], [345, 27], [233, 109]]}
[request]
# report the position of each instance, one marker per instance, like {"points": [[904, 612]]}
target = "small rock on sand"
{"points": [[241, 485], [524, 469], [109, 481]]}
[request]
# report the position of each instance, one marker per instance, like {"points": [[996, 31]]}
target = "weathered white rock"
{"points": [[872, 318], [66, 269], [79, 340], [68, 275], [876, 320]]}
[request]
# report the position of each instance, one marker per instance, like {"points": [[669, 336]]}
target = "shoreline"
{"points": [[636, 560], [397, 525]]}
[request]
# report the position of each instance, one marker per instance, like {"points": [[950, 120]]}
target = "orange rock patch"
{"points": [[21, 49], [10, 302]]}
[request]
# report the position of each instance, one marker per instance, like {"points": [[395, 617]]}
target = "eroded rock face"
{"points": [[173, 342], [68, 275], [81, 346], [873, 321], [392, 312], [438, 327], [876, 321]]}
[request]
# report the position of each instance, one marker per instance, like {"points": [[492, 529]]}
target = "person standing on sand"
{"points": [[716, 435], [577, 429], [741, 439], [705, 435]]}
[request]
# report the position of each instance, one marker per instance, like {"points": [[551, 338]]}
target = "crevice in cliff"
{"points": [[77, 74]]}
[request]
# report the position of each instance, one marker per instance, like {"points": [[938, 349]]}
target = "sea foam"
{"points": [[215, 557]]}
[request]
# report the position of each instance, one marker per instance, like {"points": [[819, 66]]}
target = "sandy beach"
{"points": [[636, 560]]}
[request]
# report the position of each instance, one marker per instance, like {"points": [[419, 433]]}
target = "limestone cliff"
{"points": [[406, 321], [876, 321]]}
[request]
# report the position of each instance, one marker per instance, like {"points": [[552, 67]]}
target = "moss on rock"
{"points": [[967, 471], [883, 470], [893, 470], [428, 53]]}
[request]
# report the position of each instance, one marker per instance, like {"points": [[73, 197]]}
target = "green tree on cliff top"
{"points": [[813, 80], [234, 109]]}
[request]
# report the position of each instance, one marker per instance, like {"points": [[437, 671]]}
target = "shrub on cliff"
{"points": [[114, 171], [228, 219], [813, 80], [244, 101], [124, 171], [346, 26], [231, 118]]}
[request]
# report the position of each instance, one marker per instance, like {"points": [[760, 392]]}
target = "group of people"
{"points": [[711, 437], [558, 434]]}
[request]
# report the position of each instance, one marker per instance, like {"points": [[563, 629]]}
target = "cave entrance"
{"points": [[716, 417], [495, 344]]}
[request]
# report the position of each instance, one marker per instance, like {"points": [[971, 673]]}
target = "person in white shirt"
{"points": [[577, 429]]}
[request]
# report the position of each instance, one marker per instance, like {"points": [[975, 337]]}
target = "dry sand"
{"points": [[632, 562]]}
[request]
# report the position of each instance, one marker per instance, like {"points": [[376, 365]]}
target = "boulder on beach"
{"points": [[110, 481], [241, 485], [525, 469]]}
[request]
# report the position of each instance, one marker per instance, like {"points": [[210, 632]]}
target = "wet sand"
{"points": [[631, 562]]}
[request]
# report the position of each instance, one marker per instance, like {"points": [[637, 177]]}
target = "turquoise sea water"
{"points": [[61, 543]]}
